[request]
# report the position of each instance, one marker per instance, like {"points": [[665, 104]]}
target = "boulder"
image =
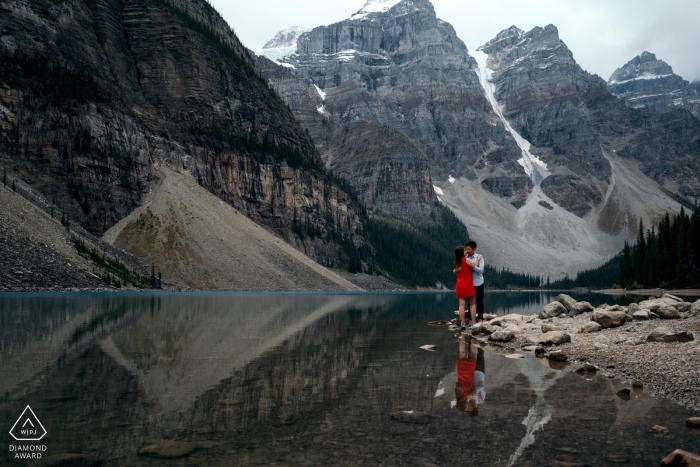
{"points": [[616, 308], [663, 334], [672, 297], [684, 307], [637, 384], [609, 319], [554, 337], [552, 310], [655, 304], [547, 327], [668, 312], [641, 315], [590, 327], [502, 336], [680, 458], [581, 307], [489, 316], [659, 430], [693, 422], [565, 300], [632, 308], [483, 328], [695, 308], [558, 356]]}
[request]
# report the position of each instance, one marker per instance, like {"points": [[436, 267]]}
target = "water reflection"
{"points": [[219, 379]]}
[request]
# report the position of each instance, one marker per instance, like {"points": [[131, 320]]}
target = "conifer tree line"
{"points": [[665, 257]]}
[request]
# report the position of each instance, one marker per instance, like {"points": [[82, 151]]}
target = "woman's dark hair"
{"points": [[472, 244], [459, 256]]}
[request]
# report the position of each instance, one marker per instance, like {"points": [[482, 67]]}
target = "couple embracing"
{"points": [[469, 268]]}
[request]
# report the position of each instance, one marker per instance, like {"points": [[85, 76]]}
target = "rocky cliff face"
{"points": [[95, 94], [646, 81], [398, 65]]}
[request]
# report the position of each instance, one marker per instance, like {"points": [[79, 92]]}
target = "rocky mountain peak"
{"points": [[646, 81], [644, 66], [285, 38]]}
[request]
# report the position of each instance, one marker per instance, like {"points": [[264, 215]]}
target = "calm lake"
{"points": [[302, 379]]}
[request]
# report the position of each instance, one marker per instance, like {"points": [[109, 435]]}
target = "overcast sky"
{"points": [[602, 34]]}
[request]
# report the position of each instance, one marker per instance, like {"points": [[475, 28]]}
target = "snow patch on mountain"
{"points": [[283, 45], [375, 6], [320, 93]]}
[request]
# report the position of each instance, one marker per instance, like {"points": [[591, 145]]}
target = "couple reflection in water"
{"points": [[470, 391]]}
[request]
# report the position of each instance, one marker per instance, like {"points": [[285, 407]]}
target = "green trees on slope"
{"points": [[667, 257]]}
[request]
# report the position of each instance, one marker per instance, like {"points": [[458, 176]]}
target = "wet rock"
{"points": [[680, 458], [431, 348], [566, 300], [668, 312], [659, 430], [558, 356], [483, 328], [641, 315], [443, 322], [515, 355], [693, 422], [552, 310], [663, 334], [623, 394], [638, 384], [580, 308], [590, 327], [554, 337], [609, 319], [502, 336], [540, 351], [547, 327], [411, 416], [168, 449], [586, 368]]}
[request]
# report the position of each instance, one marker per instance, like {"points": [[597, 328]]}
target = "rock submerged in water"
{"points": [[554, 338], [623, 394], [586, 368], [693, 422], [553, 310], [680, 458], [659, 430], [558, 356], [663, 334]]}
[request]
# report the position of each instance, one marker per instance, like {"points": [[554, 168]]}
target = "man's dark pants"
{"points": [[479, 302]]}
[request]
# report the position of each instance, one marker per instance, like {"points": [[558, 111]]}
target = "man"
{"points": [[476, 262]]}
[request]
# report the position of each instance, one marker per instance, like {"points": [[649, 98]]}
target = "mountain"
{"points": [[646, 81], [548, 169], [97, 95]]}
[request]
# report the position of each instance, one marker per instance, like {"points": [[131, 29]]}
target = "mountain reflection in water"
{"points": [[294, 379]]}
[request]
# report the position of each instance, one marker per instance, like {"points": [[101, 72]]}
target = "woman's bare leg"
{"points": [[462, 306], [472, 308]]}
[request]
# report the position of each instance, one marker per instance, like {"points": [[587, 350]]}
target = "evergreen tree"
{"points": [[153, 276]]}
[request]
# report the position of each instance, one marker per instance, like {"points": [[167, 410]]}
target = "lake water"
{"points": [[303, 379]]}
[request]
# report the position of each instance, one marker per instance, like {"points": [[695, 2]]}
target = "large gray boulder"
{"points": [[610, 319], [483, 328], [668, 312], [554, 337], [553, 310], [663, 334], [641, 315], [656, 303], [632, 308], [566, 300], [581, 307], [502, 336]]}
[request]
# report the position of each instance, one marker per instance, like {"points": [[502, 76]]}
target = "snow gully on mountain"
{"points": [[535, 168]]}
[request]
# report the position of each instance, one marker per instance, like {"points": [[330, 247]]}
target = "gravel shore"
{"points": [[625, 351]]}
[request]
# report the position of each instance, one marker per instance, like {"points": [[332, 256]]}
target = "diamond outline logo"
{"points": [[30, 422]]}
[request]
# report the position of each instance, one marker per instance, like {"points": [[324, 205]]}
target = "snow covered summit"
{"points": [[282, 45]]}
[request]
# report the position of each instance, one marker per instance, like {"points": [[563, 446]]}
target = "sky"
{"points": [[602, 34]]}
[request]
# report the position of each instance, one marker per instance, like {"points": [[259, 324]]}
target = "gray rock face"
{"points": [[554, 338], [502, 336], [552, 310], [610, 319], [646, 81], [568, 302], [581, 307]]}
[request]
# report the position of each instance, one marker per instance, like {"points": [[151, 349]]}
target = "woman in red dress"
{"points": [[465, 287]]}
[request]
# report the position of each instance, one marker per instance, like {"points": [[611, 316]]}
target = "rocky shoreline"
{"points": [[650, 345]]}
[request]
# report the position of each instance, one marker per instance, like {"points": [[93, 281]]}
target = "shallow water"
{"points": [[303, 379]]}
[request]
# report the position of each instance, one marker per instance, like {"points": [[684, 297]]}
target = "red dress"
{"points": [[465, 285]]}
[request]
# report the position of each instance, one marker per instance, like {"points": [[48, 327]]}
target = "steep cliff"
{"points": [[398, 65], [646, 81], [95, 94]]}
